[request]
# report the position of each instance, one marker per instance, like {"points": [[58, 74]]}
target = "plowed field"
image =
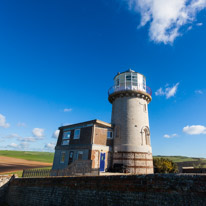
{"points": [[10, 164]]}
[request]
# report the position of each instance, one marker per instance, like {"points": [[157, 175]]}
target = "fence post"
{"points": [[23, 173]]}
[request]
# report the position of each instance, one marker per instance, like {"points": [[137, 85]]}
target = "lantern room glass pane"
{"points": [[134, 79], [128, 77]]}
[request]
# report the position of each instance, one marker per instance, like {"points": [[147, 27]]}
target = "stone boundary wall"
{"points": [[4, 182], [109, 190]]}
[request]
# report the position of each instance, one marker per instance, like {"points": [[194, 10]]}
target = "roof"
{"points": [[95, 121], [129, 70]]}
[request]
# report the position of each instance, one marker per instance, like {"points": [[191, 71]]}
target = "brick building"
{"points": [[91, 140]]}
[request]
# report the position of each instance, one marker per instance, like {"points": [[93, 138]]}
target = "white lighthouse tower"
{"points": [[130, 98]]}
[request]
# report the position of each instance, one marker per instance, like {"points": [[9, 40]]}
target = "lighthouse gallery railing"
{"points": [[138, 87]]}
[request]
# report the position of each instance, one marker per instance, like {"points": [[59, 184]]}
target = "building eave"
{"points": [[95, 121]]}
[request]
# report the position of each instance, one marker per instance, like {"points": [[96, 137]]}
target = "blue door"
{"points": [[102, 162]]}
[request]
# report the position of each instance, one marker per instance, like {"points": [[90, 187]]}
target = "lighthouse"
{"points": [[130, 97]]}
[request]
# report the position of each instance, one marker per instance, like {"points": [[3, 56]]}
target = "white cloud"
{"points": [[171, 91], [38, 133], [170, 136], [67, 109], [56, 134], [24, 145], [166, 136], [199, 92], [194, 129], [189, 28], [19, 138], [28, 139], [12, 136], [49, 146], [166, 17], [13, 145], [3, 122], [168, 91], [160, 92], [21, 146], [21, 124], [199, 24]]}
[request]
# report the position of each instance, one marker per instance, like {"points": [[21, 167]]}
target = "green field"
{"points": [[48, 156], [180, 158], [27, 155], [183, 161]]}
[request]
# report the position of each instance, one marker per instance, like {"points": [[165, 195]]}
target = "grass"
{"points": [[28, 155], [182, 158], [19, 172]]}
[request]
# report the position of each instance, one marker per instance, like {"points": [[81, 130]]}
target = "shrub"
{"points": [[163, 165]]}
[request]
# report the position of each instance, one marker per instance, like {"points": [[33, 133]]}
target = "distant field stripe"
{"points": [[28, 155]]}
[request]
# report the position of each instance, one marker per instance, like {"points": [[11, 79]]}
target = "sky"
{"points": [[58, 60]]}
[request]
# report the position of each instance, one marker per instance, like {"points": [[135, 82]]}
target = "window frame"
{"points": [[65, 138], [80, 152], [111, 132], [77, 136]]}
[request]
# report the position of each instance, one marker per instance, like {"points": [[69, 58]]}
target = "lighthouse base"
{"points": [[134, 162]]}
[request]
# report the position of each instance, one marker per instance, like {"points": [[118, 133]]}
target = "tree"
{"points": [[163, 165]]}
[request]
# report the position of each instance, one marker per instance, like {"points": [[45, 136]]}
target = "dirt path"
{"points": [[10, 164]]}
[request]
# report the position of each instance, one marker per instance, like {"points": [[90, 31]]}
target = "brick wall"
{"points": [[109, 190], [4, 180]]}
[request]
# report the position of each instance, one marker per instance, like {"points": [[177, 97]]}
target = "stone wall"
{"points": [[109, 190], [4, 180]]}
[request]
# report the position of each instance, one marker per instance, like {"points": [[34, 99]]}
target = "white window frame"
{"points": [[65, 138], [77, 136]]}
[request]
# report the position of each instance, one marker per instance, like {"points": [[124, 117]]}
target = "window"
{"points": [[147, 139], [80, 155], [128, 77], [134, 80], [62, 157], [66, 135], [109, 135], [71, 155], [76, 133], [144, 83], [66, 138], [145, 135]]}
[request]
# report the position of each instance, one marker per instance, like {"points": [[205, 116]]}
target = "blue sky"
{"points": [[58, 60]]}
